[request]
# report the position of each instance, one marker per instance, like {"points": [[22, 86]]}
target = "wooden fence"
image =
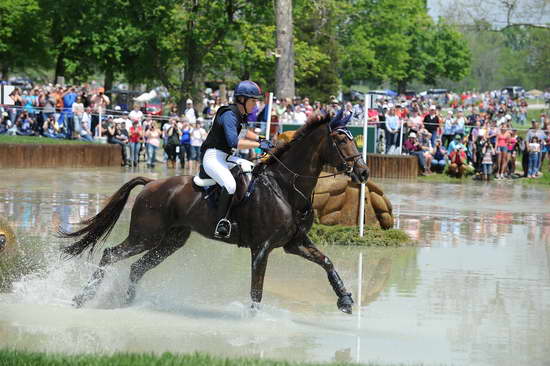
{"points": [[392, 166], [57, 156]]}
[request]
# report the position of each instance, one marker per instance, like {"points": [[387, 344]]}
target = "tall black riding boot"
{"points": [[223, 228]]}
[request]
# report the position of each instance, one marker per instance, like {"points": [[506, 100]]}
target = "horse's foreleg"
{"points": [[153, 258], [258, 266], [306, 249], [110, 256]]}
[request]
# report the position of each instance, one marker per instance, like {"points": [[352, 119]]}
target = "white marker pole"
{"points": [[269, 108], [365, 141], [359, 288]]}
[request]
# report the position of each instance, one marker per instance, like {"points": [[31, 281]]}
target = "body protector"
{"points": [[216, 137]]}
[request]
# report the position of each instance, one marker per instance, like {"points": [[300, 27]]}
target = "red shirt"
{"points": [[135, 134]]}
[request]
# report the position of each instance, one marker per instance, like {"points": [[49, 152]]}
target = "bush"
{"points": [[349, 235]]}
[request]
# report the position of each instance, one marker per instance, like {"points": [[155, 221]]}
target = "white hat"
{"points": [[508, 117], [412, 134], [189, 101], [449, 112], [390, 105], [432, 107]]}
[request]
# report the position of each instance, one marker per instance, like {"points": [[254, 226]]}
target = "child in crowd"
{"points": [[534, 149], [487, 153]]}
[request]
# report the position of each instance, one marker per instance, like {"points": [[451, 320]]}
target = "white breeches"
{"points": [[216, 164]]}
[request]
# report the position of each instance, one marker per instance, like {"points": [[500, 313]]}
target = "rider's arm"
{"points": [[251, 136], [229, 122]]}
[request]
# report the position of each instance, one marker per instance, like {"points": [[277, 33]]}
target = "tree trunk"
{"points": [[401, 86], [4, 71], [284, 84], [59, 67], [109, 78], [192, 86]]}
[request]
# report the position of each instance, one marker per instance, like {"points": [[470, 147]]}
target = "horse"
{"points": [[277, 214]]}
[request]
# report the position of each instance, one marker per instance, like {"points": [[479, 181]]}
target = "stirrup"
{"points": [[221, 223]]}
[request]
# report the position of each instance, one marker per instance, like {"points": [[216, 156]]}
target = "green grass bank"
{"points": [[23, 358], [349, 235], [37, 140]]}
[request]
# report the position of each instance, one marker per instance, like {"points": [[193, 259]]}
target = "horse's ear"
{"points": [[339, 120]]}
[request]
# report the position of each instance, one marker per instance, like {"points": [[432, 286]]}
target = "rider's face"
{"points": [[250, 104]]}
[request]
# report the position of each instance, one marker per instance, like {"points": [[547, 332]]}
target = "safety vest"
{"points": [[216, 137]]}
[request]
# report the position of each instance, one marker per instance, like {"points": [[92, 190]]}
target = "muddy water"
{"points": [[476, 289]]}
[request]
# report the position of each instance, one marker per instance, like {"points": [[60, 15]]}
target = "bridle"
{"points": [[342, 168]]}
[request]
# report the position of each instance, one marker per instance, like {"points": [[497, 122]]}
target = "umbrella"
{"points": [[535, 92]]}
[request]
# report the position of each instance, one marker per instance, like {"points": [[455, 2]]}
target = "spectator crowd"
{"points": [[446, 133]]}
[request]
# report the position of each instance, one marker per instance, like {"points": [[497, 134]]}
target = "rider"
{"points": [[222, 138]]}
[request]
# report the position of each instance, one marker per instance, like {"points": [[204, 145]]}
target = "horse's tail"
{"points": [[100, 226]]}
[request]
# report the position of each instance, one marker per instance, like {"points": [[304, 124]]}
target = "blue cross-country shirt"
{"points": [[229, 123]]}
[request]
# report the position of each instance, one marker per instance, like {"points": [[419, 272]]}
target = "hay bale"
{"points": [[378, 203], [386, 220], [331, 185], [373, 187], [334, 203], [370, 214], [332, 218], [320, 200], [388, 204]]}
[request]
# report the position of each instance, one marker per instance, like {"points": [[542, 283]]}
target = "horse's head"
{"points": [[342, 152]]}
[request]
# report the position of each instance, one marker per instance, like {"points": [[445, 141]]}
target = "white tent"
{"points": [[145, 97]]}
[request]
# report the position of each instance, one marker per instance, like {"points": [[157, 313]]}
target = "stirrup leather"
{"points": [[217, 231]]}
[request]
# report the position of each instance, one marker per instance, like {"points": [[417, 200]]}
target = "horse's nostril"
{"points": [[2, 241]]}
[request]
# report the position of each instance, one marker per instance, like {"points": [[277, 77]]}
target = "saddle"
{"points": [[211, 190]]}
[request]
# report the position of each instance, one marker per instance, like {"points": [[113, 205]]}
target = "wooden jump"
{"points": [[58, 156], [392, 166]]}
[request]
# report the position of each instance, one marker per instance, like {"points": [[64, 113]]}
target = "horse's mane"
{"points": [[311, 124]]}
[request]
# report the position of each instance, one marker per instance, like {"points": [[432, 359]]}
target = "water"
{"points": [[474, 291]]}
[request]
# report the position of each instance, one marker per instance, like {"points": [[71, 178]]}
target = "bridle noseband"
{"points": [[344, 166]]}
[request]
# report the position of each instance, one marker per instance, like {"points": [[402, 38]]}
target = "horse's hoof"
{"points": [[130, 296], [345, 304], [254, 308]]}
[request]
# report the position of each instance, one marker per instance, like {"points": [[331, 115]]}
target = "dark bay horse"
{"points": [[277, 214]]}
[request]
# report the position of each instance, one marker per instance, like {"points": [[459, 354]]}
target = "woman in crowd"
{"points": [[114, 137], [171, 148], [78, 112], [448, 129], [185, 144], [545, 143], [198, 135], [153, 143], [487, 153], [135, 140], [533, 148], [439, 157], [512, 152], [502, 139]]}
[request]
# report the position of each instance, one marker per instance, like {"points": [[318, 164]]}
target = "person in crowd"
{"points": [[78, 113], [190, 113], [487, 153], [541, 136], [198, 136], [414, 123], [534, 153], [135, 140], [114, 137], [460, 124], [50, 129], [544, 138], [392, 130], [153, 142], [222, 138], [85, 132], [299, 115], [69, 98], [24, 125], [425, 142], [502, 151], [439, 160], [136, 115], [185, 144], [172, 146], [457, 161], [99, 103], [431, 122], [455, 144], [413, 147], [448, 129], [512, 153]]}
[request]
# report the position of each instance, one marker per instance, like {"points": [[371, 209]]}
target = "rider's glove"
{"points": [[266, 145]]}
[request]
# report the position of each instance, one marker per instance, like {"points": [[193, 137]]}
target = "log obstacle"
{"points": [[392, 166], [57, 156]]}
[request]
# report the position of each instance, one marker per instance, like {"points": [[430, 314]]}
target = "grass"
{"points": [[24, 358], [349, 235], [36, 140]]}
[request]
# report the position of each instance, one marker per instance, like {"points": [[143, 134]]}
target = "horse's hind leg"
{"points": [[305, 248], [112, 255], [172, 242]]}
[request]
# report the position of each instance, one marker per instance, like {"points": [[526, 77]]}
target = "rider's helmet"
{"points": [[248, 89]]}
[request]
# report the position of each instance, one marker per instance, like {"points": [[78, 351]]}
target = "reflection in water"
{"points": [[475, 291]]}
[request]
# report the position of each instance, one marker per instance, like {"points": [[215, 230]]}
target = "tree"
{"points": [[285, 45], [23, 40]]}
